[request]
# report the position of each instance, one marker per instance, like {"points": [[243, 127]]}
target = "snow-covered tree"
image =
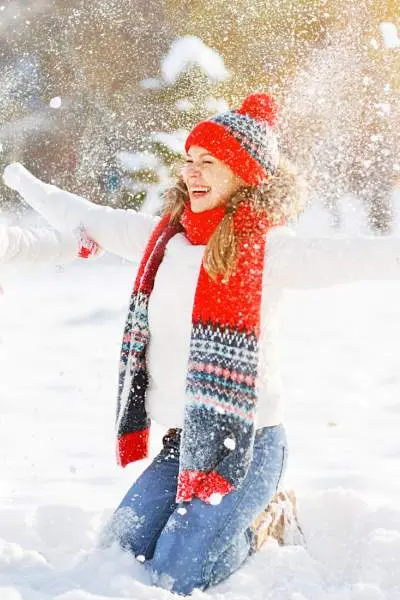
{"points": [[181, 94]]}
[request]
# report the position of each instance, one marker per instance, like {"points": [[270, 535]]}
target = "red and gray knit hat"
{"points": [[243, 139]]}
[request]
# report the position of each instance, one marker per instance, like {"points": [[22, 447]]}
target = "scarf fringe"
{"points": [[209, 487], [133, 446]]}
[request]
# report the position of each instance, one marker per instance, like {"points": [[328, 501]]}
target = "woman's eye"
{"points": [[204, 162]]}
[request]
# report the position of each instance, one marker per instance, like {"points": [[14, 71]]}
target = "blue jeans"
{"points": [[194, 544]]}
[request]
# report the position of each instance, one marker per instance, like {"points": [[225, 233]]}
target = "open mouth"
{"points": [[200, 191]]}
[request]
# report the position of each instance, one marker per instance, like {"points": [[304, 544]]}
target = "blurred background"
{"points": [[97, 96]]}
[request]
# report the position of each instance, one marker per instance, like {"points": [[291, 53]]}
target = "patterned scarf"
{"points": [[221, 396]]}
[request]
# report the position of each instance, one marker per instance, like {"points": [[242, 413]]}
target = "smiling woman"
{"points": [[200, 347], [210, 182], [201, 372]]}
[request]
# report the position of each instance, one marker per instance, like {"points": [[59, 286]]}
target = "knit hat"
{"points": [[243, 139]]}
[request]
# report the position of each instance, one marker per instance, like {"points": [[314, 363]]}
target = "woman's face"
{"points": [[210, 182]]}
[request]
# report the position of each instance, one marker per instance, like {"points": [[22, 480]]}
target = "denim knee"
{"points": [[177, 569], [182, 583], [126, 529]]}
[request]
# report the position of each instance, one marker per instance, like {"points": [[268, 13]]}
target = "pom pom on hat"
{"points": [[261, 107]]}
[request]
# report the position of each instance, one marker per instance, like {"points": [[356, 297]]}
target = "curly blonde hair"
{"points": [[282, 196]]}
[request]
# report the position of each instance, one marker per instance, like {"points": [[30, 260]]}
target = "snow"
{"points": [[175, 141], [216, 105], [184, 105], [389, 34], [384, 107], [230, 443], [136, 161], [7, 593], [215, 498], [152, 83], [59, 342], [30, 123], [55, 102], [189, 51]]}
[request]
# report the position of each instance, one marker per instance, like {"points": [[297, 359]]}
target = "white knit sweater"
{"points": [[291, 262]]}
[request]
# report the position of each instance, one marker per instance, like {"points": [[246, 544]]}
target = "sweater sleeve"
{"points": [[300, 262], [123, 232], [36, 245]]}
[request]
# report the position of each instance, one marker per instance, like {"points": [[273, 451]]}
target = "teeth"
{"points": [[200, 189]]}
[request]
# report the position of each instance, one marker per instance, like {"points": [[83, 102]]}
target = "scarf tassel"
{"points": [[209, 487], [133, 446]]}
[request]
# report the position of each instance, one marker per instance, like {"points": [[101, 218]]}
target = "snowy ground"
{"points": [[59, 344]]}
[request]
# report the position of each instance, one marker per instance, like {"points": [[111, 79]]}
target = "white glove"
{"points": [[11, 175]]}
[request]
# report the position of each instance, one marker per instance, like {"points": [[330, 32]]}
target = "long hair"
{"points": [[282, 196]]}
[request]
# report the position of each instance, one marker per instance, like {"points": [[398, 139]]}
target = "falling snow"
{"points": [[98, 97], [390, 35], [55, 102], [215, 499], [230, 443]]}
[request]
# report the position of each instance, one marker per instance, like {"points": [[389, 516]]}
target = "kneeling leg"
{"points": [[141, 516]]}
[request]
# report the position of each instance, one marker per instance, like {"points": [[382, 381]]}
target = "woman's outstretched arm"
{"points": [[35, 245], [123, 232], [316, 262]]}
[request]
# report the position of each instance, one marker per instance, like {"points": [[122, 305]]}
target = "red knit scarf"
{"points": [[221, 395], [241, 295]]}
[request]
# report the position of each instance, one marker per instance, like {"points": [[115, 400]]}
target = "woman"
{"points": [[200, 347]]}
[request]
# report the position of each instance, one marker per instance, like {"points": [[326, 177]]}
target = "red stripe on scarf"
{"points": [[133, 446]]}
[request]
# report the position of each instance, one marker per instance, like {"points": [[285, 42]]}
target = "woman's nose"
{"points": [[191, 171], [192, 168]]}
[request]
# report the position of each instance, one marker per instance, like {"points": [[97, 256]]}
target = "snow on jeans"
{"points": [[194, 544]]}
